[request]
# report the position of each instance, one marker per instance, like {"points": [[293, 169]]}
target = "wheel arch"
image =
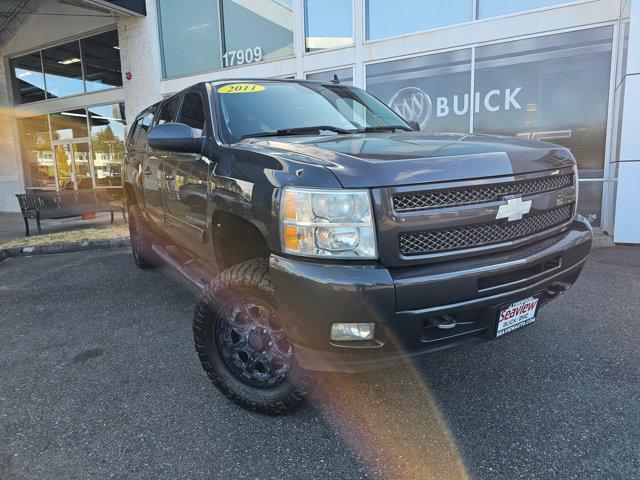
{"points": [[236, 239]]}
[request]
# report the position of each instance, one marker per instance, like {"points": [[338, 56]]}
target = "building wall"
{"points": [[38, 31], [11, 179], [141, 55]]}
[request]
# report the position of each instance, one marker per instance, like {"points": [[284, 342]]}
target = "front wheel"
{"points": [[242, 345]]}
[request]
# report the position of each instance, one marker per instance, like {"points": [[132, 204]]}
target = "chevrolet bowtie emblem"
{"points": [[514, 209]]}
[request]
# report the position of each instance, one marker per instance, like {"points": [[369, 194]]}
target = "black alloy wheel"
{"points": [[252, 345], [243, 345]]}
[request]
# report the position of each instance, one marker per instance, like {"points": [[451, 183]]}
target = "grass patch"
{"points": [[73, 236]]}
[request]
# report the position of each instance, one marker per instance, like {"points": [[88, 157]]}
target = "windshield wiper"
{"points": [[383, 128], [298, 131]]}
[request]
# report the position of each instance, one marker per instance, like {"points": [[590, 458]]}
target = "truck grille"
{"points": [[407, 202], [449, 239]]}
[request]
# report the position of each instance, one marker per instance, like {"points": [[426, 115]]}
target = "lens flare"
{"points": [[392, 423]]}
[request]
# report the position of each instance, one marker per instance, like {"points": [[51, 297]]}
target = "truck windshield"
{"points": [[263, 109]]}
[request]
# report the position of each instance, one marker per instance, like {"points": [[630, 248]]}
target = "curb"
{"points": [[602, 241], [68, 247]]}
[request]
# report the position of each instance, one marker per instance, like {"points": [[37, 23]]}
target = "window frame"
{"points": [[16, 100], [474, 15], [15, 91], [196, 91], [134, 131], [475, 19], [162, 42], [44, 68], [82, 58], [158, 113], [305, 30]]}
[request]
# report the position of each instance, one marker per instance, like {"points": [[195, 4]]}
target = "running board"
{"points": [[194, 270]]}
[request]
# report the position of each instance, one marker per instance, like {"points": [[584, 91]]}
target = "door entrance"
{"points": [[73, 166]]}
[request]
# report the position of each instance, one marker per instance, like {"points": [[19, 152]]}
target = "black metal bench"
{"points": [[65, 204]]}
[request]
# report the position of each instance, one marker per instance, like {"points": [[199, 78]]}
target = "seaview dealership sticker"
{"points": [[517, 315], [241, 88]]}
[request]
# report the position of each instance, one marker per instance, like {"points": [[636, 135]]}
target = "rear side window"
{"points": [[193, 112], [169, 110]]}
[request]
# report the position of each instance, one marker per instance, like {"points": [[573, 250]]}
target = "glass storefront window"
{"points": [[390, 18], [101, 61], [69, 125], [28, 79], [64, 165], [72, 161], [98, 56], [328, 23], [432, 90], [82, 164], [63, 70], [37, 154], [492, 8], [345, 76], [590, 202], [107, 139], [256, 31], [190, 36], [553, 88], [73, 166]]}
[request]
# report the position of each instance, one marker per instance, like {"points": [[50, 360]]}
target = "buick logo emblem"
{"points": [[413, 105], [514, 209]]}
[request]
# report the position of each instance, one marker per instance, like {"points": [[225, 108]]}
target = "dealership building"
{"points": [[76, 72]]}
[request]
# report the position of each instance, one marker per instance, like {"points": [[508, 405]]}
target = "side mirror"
{"points": [[415, 125], [175, 137]]}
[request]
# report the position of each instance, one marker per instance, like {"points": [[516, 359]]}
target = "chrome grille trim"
{"points": [[416, 201], [458, 238]]}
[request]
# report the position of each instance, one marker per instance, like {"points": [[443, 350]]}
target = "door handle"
{"points": [[147, 171]]}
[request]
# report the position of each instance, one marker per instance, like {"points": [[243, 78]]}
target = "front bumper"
{"points": [[404, 301]]}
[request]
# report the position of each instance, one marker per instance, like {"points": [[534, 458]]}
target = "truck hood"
{"points": [[391, 159]]}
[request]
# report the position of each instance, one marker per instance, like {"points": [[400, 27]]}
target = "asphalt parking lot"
{"points": [[98, 379]]}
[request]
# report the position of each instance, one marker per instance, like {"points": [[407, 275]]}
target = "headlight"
{"points": [[327, 223]]}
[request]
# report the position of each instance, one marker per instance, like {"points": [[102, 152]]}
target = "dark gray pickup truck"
{"points": [[326, 233]]}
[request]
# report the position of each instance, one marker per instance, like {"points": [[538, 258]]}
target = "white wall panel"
{"points": [[627, 226]]}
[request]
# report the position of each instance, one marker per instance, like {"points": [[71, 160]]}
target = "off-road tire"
{"points": [[141, 239], [247, 280]]}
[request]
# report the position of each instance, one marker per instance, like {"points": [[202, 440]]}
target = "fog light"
{"points": [[345, 332]]}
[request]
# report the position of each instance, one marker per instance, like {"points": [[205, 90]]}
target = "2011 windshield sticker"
{"points": [[241, 88]]}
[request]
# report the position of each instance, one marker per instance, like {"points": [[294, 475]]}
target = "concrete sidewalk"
{"points": [[12, 224]]}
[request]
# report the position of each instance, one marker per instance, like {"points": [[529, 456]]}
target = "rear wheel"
{"points": [[242, 345], [141, 239]]}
